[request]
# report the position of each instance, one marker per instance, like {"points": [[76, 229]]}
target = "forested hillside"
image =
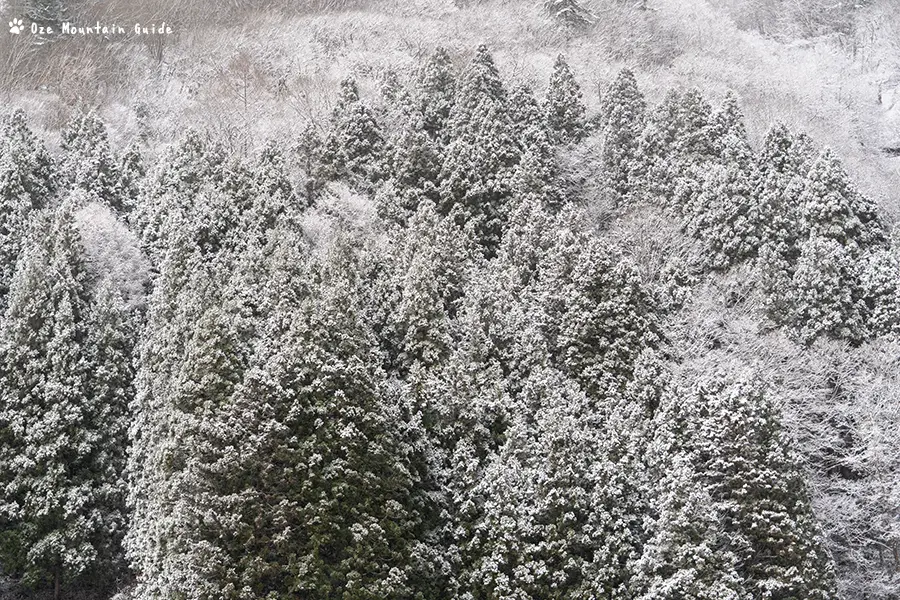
{"points": [[465, 335]]}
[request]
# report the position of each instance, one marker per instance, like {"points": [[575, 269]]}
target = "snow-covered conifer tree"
{"points": [[168, 195], [414, 162], [564, 106], [537, 173], [88, 162], [778, 192], [61, 417], [621, 120], [688, 554], [557, 519], [674, 146], [434, 92], [333, 505], [722, 215], [598, 318], [752, 474], [272, 199], [729, 119], [481, 155], [880, 285], [825, 295], [833, 208], [354, 145], [131, 172], [26, 184], [420, 292]]}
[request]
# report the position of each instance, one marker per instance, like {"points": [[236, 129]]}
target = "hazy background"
{"points": [[246, 71]]}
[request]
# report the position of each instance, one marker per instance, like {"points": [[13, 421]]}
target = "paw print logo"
{"points": [[16, 26]]}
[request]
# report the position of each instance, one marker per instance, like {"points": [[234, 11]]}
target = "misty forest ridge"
{"points": [[435, 300]]}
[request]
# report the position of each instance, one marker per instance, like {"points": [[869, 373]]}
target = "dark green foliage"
{"points": [[309, 152], [692, 124], [879, 277], [621, 120], [414, 163], [598, 319], [564, 106], [688, 555], [131, 172], [435, 91], [338, 480], [747, 494], [537, 173], [778, 193], [675, 144], [65, 391], [322, 448], [820, 294], [480, 83], [354, 145], [752, 475], [814, 229], [88, 163], [574, 529], [422, 285], [833, 208], [272, 199], [169, 193], [26, 184], [476, 177], [525, 113], [729, 119], [36, 170], [723, 214]]}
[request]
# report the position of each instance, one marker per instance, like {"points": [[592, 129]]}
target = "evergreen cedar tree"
{"points": [[569, 13], [26, 182], [354, 145], [88, 163], [621, 119], [564, 106], [477, 404], [66, 386]]}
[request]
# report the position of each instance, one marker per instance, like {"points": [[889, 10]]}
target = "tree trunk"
{"points": [[56, 584]]}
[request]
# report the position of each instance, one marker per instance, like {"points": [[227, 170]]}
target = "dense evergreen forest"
{"points": [[402, 358]]}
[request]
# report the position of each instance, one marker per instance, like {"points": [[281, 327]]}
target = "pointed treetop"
{"points": [[834, 208], [524, 109], [355, 143], [569, 12], [439, 61], [480, 83], [348, 94], [776, 152], [483, 56], [623, 92], [15, 127], [83, 126], [564, 104], [683, 120], [436, 75], [435, 90], [189, 163], [27, 154], [729, 118]]}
